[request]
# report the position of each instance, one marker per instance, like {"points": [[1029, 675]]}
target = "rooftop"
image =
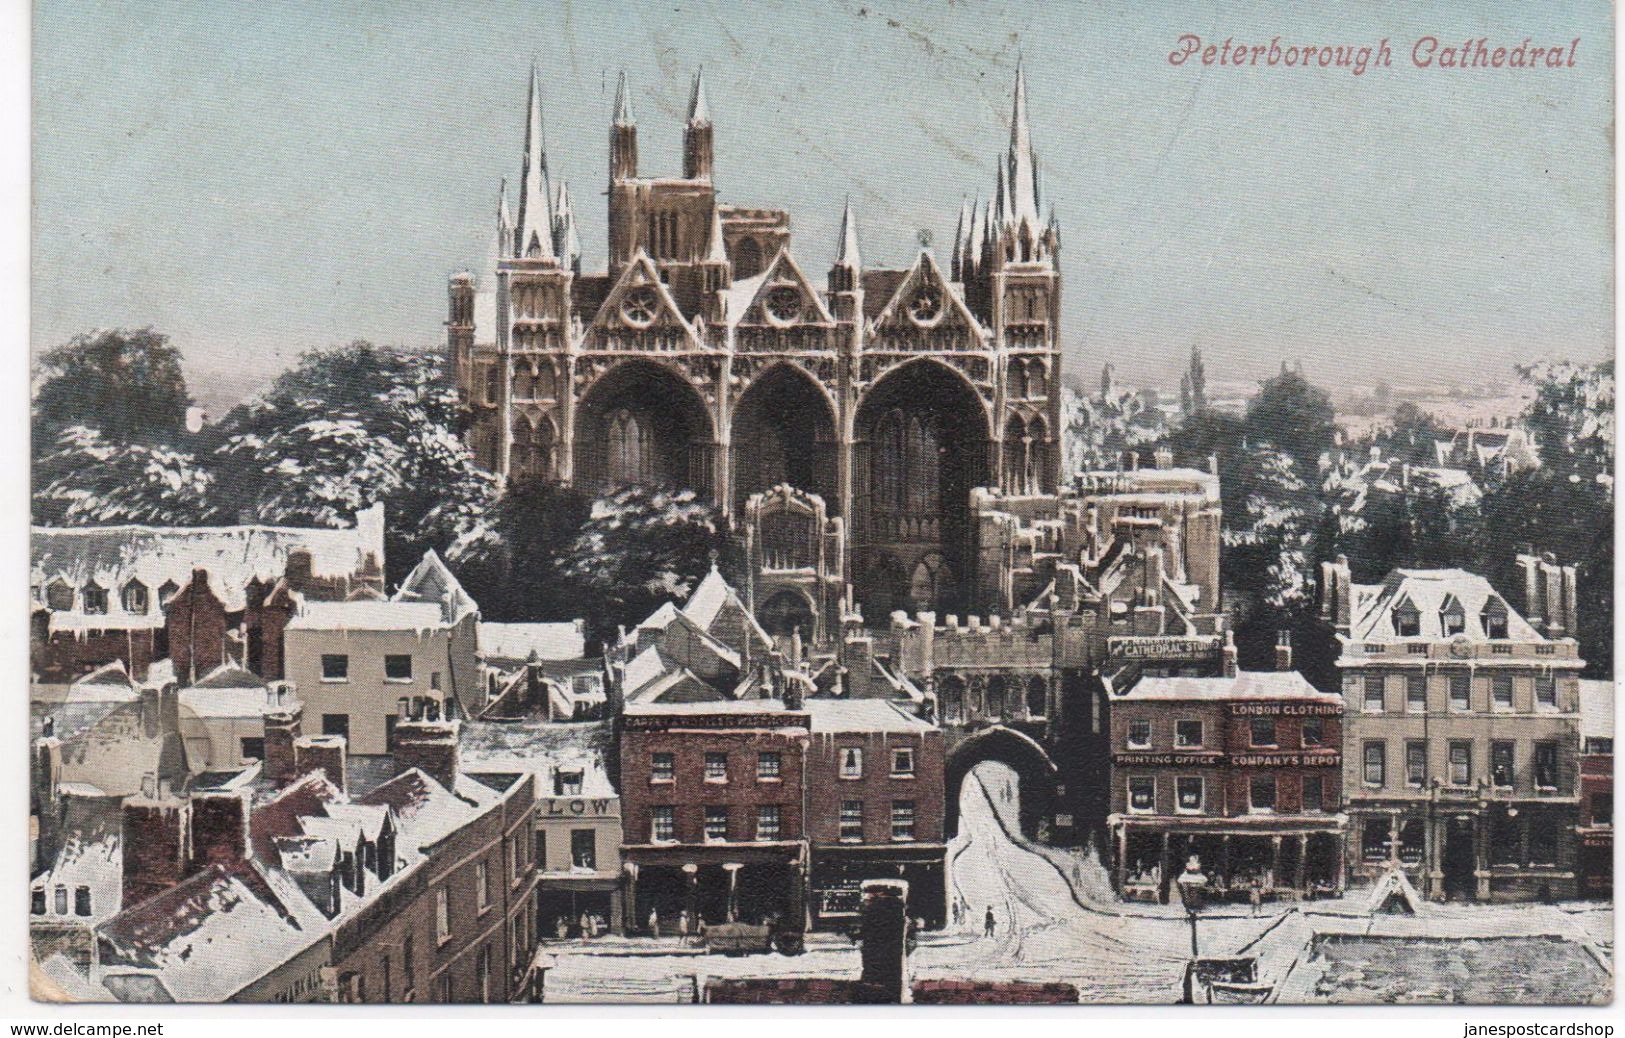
{"points": [[1247, 684], [549, 641], [864, 715], [365, 615]]}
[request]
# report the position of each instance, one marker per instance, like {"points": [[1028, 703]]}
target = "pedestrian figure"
{"points": [[654, 922], [561, 927], [585, 924], [682, 925], [988, 923], [1257, 893]]}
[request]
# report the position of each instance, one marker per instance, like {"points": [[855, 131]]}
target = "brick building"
{"points": [[1244, 772], [712, 802], [874, 788], [110, 593], [281, 883], [1462, 730], [1596, 828]]}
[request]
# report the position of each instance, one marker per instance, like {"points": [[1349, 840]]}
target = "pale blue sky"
{"points": [[260, 178]]}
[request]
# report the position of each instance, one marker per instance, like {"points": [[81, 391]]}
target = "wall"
{"points": [[877, 788], [367, 696], [689, 793]]}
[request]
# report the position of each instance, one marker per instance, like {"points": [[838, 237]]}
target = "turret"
{"points": [[846, 295], [697, 148]]}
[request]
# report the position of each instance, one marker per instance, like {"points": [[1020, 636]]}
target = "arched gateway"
{"points": [[1026, 757]]}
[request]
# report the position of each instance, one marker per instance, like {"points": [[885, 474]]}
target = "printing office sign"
{"points": [[1167, 760], [1159, 648]]}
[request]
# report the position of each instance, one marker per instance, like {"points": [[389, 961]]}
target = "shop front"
{"points": [[758, 884], [1276, 858], [838, 874]]}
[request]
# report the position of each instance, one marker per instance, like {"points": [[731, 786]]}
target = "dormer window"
{"points": [[95, 597], [567, 782], [135, 598], [166, 591], [1407, 620], [59, 596], [1452, 618], [1494, 618]]}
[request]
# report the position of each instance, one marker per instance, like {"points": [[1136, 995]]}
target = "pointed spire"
{"points": [[623, 105], [566, 240], [504, 241], [699, 112], [1001, 203], [1023, 176], [717, 249], [962, 234], [848, 256], [535, 203], [979, 232]]}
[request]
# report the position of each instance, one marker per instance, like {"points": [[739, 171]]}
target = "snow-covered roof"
{"points": [[230, 675], [1596, 709], [1431, 592], [1247, 684], [863, 715], [431, 581], [208, 937], [109, 683], [531, 745], [429, 812], [549, 641], [90, 857], [367, 615], [113, 556], [723, 706], [241, 703]]}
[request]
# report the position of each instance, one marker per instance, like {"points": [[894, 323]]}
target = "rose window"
{"points": [[640, 307], [783, 304], [926, 306]]}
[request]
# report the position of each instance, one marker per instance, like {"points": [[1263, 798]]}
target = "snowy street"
{"points": [[1055, 919]]}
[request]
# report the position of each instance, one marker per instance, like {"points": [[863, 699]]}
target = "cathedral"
{"points": [[704, 357]]}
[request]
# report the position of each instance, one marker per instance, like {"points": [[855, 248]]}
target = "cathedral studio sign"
{"points": [[1158, 648]]}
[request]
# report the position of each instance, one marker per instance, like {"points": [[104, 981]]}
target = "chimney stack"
{"points": [[1283, 650], [430, 746], [283, 717], [324, 753], [885, 941], [155, 841], [219, 828]]}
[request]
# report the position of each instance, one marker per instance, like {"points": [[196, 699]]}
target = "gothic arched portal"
{"points": [[922, 445], [642, 424], [784, 432]]}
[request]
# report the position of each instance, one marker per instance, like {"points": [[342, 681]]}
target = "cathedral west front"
{"points": [[704, 356]]}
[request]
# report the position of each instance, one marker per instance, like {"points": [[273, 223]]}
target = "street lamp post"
{"points": [[1191, 883]]}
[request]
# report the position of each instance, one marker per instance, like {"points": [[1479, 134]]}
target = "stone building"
{"points": [[363, 666], [1461, 732], [1242, 771], [703, 355]]}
